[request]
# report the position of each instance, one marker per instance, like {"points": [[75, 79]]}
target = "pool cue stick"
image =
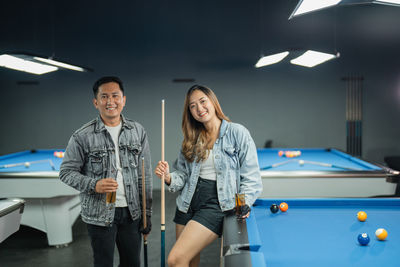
{"points": [[330, 165], [352, 132], [356, 115], [52, 165], [347, 116], [277, 164], [361, 115], [162, 188], [360, 86], [144, 214]]}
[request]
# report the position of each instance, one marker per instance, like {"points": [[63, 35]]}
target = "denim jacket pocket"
{"points": [[97, 162], [232, 156], [132, 158]]}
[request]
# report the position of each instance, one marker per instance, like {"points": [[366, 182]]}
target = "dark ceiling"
{"points": [[208, 34]]}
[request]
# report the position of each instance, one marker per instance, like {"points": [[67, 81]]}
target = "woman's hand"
{"points": [[244, 212], [163, 168]]}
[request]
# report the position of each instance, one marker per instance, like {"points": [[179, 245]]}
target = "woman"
{"points": [[218, 159]]}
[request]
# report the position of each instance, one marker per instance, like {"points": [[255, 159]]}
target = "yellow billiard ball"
{"points": [[381, 234], [361, 216]]}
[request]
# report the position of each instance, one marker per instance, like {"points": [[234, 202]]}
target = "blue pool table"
{"points": [[323, 173], [50, 205], [313, 232]]}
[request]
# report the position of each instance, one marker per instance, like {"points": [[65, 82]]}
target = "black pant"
{"points": [[125, 232]]}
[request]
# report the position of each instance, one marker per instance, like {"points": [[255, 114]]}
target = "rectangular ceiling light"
{"points": [[388, 2], [272, 59], [306, 6], [59, 64], [312, 58], [17, 63]]}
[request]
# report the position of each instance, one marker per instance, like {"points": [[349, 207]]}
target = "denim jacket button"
{"points": [[220, 189]]}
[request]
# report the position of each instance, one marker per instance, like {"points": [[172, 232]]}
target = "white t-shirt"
{"points": [[207, 170], [120, 198]]}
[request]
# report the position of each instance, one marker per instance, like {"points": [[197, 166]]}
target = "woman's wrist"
{"points": [[167, 179]]}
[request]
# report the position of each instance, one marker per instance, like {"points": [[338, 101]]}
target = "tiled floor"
{"points": [[28, 247]]}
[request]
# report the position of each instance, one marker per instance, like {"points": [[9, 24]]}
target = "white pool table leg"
{"points": [[54, 216]]}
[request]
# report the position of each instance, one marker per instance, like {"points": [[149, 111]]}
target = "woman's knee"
{"points": [[175, 259]]}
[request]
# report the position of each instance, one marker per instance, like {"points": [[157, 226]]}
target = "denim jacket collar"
{"points": [[223, 127], [101, 127]]}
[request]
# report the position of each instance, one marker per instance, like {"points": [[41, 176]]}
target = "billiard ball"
{"points": [[363, 239], [274, 208], [301, 162], [280, 153], [381, 234], [59, 154], [283, 206], [27, 164], [361, 216]]}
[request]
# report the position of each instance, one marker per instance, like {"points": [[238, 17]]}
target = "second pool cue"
{"points": [[144, 214], [162, 190]]}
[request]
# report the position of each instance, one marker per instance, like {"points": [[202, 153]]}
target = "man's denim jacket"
{"points": [[90, 156], [236, 164]]}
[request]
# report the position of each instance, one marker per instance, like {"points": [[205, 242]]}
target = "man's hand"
{"points": [[106, 185]]}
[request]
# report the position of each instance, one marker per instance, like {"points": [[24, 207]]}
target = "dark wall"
{"points": [[291, 106], [218, 45]]}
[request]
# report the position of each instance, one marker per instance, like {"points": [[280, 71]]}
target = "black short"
{"points": [[204, 207]]}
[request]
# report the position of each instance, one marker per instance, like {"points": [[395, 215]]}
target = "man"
{"points": [[103, 159]]}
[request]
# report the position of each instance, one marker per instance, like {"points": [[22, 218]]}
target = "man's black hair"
{"points": [[107, 79]]}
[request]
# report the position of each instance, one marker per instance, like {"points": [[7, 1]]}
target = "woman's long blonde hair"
{"points": [[195, 140]]}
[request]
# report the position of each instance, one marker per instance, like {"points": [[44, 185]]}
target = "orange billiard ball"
{"points": [[362, 216], [283, 206], [280, 153]]}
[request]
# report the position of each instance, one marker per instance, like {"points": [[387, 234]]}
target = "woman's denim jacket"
{"points": [[90, 156], [236, 164]]}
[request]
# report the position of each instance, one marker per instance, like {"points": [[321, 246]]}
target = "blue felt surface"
{"points": [[323, 232], [269, 156], [28, 156]]}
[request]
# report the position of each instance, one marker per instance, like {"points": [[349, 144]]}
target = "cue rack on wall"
{"points": [[354, 94]]}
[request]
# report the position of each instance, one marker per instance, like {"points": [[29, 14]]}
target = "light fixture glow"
{"points": [[20, 64], [388, 2], [306, 6], [59, 64], [272, 59], [312, 58]]}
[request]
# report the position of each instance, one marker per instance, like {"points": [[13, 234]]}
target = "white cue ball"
{"points": [[301, 162], [27, 164]]}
